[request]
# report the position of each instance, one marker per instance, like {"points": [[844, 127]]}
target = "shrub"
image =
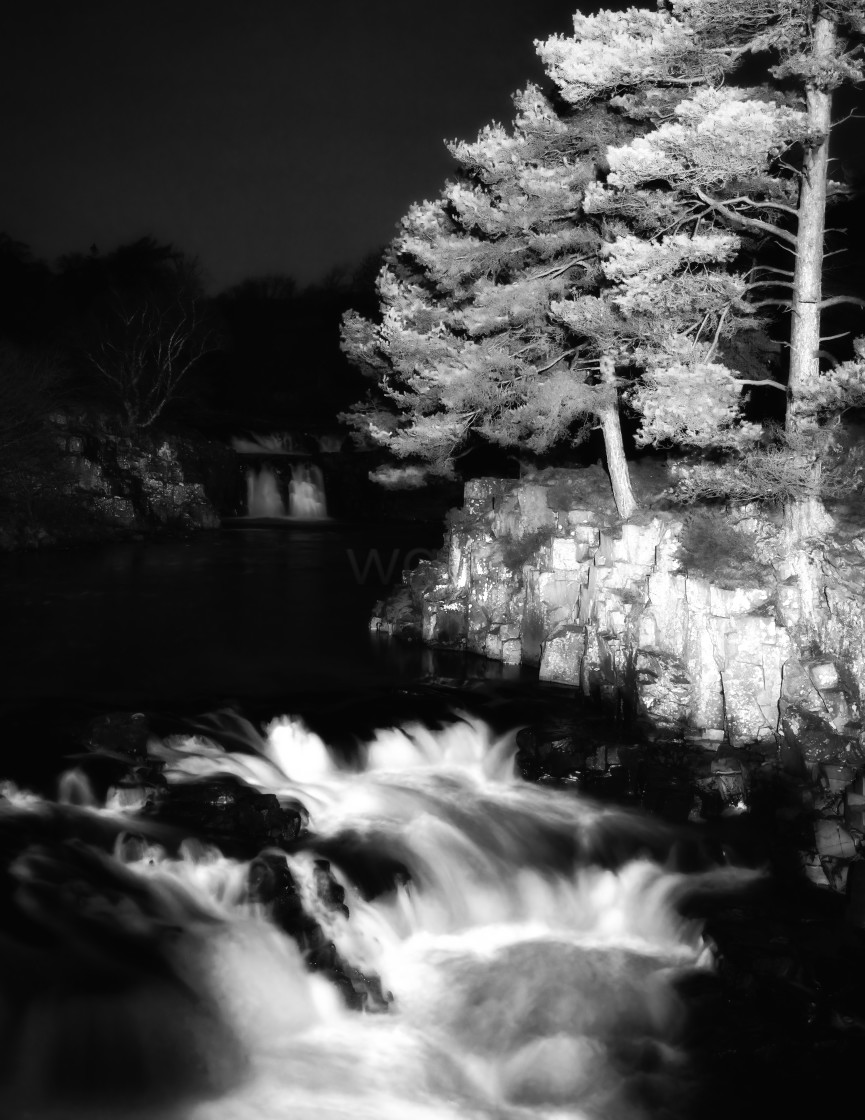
{"points": [[786, 467], [517, 551], [563, 494], [713, 546], [459, 518]]}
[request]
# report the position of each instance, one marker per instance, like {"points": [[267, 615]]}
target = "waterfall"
{"points": [[263, 498], [306, 498], [306, 492], [524, 942]]}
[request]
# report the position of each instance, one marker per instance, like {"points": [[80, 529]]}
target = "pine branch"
{"points": [[558, 270], [748, 223], [851, 116], [763, 205], [544, 369], [833, 301], [776, 271], [767, 383], [769, 284]]}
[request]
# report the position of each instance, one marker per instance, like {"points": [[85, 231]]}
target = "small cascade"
{"points": [[306, 492], [306, 499], [525, 942], [263, 498]]}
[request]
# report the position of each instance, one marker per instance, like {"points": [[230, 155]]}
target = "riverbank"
{"points": [[89, 480]]}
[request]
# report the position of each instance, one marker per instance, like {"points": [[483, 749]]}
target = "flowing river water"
{"points": [[516, 951], [526, 952]]}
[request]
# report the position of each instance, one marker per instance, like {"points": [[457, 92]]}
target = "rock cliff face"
{"points": [[93, 481], [528, 574], [746, 681]]}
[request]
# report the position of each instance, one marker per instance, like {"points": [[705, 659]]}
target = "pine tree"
{"points": [[720, 166], [466, 346], [609, 250], [672, 305]]}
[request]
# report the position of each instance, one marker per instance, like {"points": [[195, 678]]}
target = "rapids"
{"points": [[528, 943]]}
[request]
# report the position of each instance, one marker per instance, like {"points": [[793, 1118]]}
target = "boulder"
{"points": [[122, 733], [228, 813], [833, 840], [854, 805], [663, 691], [562, 655]]}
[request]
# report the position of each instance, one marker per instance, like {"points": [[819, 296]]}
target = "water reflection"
{"points": [[221, 615]]}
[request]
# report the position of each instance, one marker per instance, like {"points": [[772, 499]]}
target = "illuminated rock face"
{"points": [[541, 572]]}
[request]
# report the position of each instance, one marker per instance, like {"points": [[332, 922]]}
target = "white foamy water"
{"points": [[528, 942], [304, 492]]}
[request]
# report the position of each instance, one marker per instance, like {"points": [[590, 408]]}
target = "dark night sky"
{"points": [[260, 135]]}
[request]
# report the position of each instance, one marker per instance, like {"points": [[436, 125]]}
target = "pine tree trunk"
{"points": [[808, 275], [809, 514], [617, 464]]}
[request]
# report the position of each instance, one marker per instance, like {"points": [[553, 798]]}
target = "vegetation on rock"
{"points": [[466, 345], [726, 553], [517, 551]]}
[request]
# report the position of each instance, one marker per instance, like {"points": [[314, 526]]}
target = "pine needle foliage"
{"points": [[609, 249]]}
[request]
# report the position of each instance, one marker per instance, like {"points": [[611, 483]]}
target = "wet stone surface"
{"points": [[226, 812]]}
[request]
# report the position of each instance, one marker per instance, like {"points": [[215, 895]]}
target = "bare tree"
{"points": [[144, 350]]}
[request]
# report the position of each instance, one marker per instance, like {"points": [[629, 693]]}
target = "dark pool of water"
{"points": [[216, 615], [265, 619], [233, 614]]}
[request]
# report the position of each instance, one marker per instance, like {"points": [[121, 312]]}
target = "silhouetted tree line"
{"points": [[132, 330], [281, 344]]}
